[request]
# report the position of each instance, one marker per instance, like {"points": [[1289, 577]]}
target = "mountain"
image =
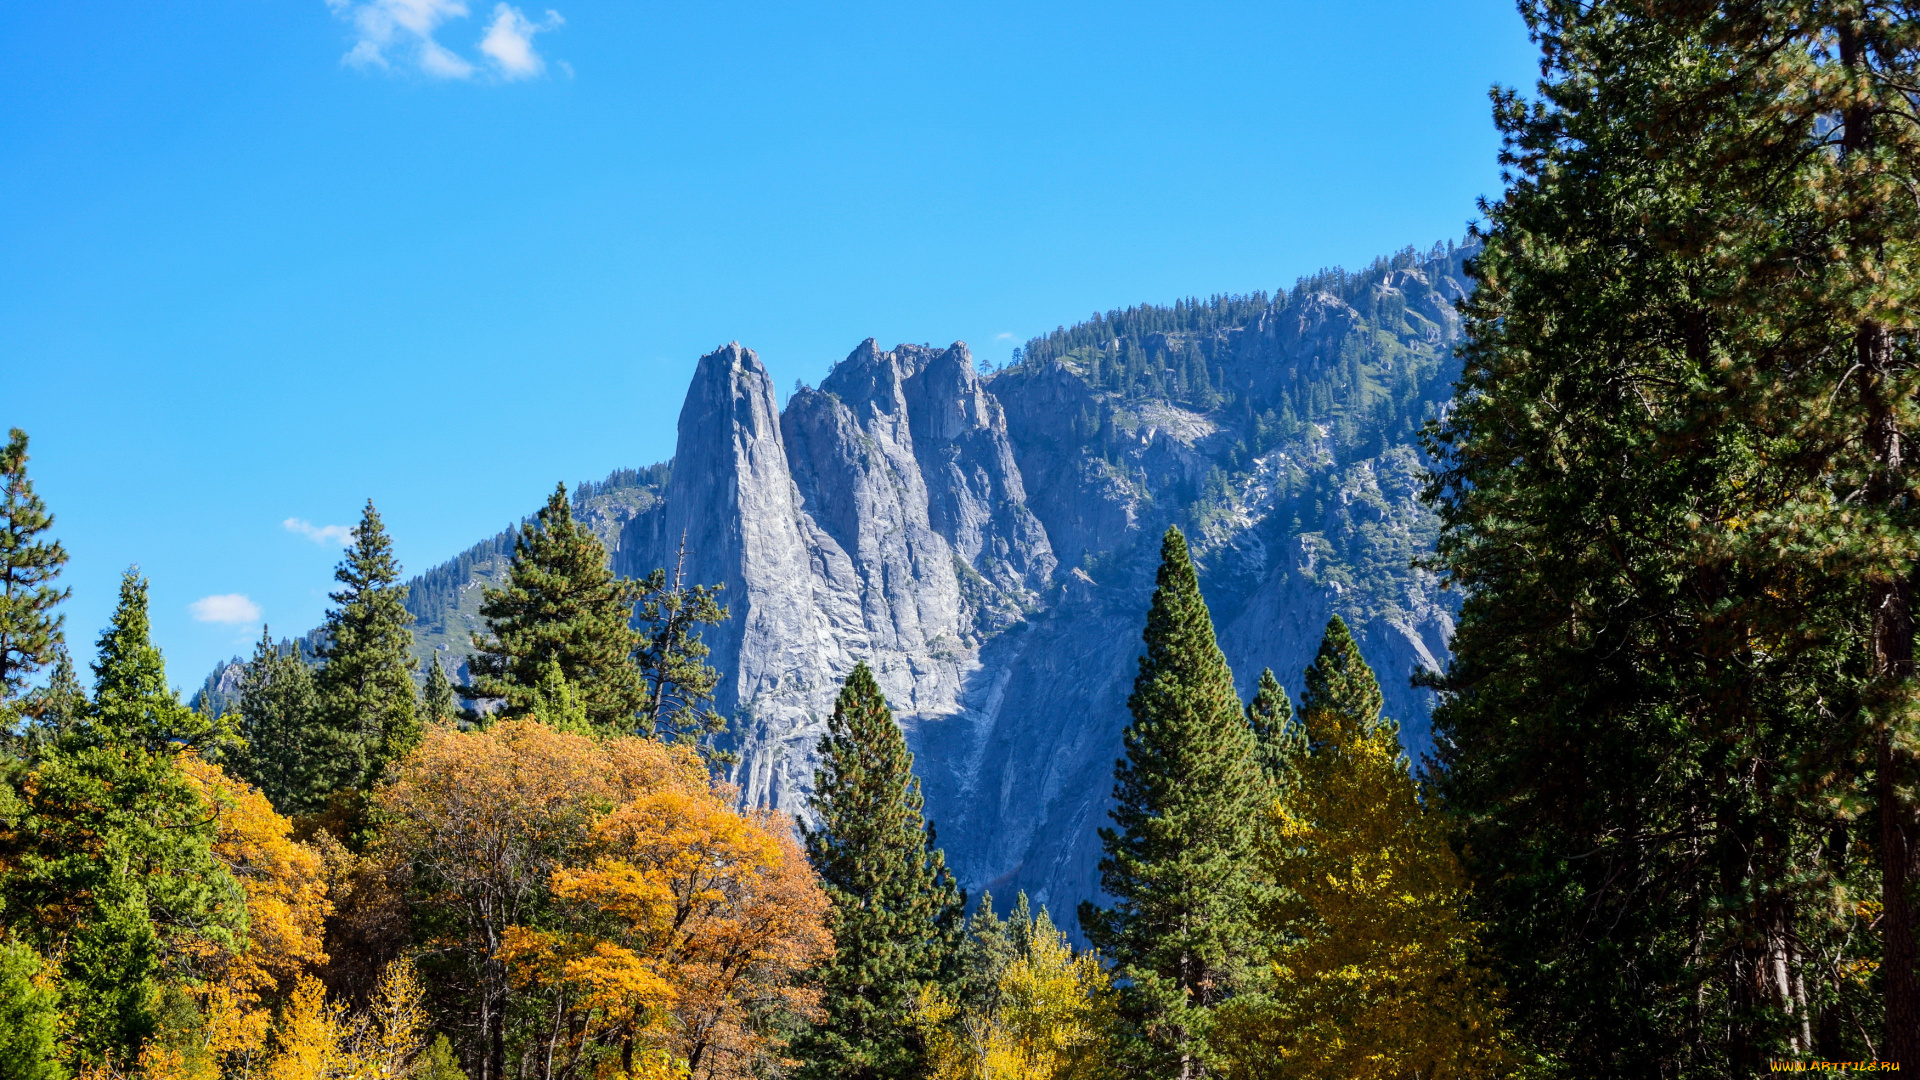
{"points": [[987, 542]]}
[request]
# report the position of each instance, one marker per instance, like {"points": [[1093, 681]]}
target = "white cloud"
{"points": [[230, 608], [320, 534], [509, 41], [402, 33], [1003, 337]]}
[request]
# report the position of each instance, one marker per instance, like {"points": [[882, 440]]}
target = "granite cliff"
{"points": [[987, 542]]}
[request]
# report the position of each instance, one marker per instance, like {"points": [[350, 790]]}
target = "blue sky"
{"points": [[261, 260]]}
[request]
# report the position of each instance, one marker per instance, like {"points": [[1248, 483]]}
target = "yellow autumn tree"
{"points": [[234, 987], [1053, 1019], [691, 926], [606, 891], [1374, 973]]}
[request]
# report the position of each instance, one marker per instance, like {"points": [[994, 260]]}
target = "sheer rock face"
{"points": [[881, 518], [966, 541]]}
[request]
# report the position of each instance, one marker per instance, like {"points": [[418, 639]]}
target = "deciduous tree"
{"points": [[1376, 974]]}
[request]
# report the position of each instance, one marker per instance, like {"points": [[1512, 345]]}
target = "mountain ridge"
{"points": [[985, 541]]}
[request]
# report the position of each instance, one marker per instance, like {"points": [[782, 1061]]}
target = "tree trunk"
{"points": [[1891, 601]]}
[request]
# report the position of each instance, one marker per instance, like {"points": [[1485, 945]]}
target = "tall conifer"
{"points": [[280, 724], [30, 635], [561, 605], [1270, 715], [896, 910], [367, 696], [437, 705], [110, 849], [673, 659], [1677, 492], [1178, 866]]}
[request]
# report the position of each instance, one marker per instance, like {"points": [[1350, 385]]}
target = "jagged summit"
{"points": [[986, 543]]}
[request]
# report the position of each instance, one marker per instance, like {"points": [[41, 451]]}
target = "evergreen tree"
{"points": [[280, 725], [1270, 715], [367, 696], [560, 605], [29, 1016], [30, 635], [1373, 970], [673, 660], [1179, 864], [1677, 714], [109, 846], [437, 705], [896, 910], [990, 944]]}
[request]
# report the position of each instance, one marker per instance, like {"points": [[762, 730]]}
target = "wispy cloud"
{"points": [[509, 41], [320, 534], [228, 608], [402, 33], [1003, 337]]}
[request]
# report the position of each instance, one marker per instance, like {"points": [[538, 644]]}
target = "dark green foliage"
{"points": [[1189, 792], [896, 911], [29, 1016], [990, 945], [1270, 715], [437, 705], [673, 659], [106, 858], [280, 723], [30, 634], [367, 695], [1385, 380], [52, 708], [1657, 728], [562, 606], [1339, 680]]}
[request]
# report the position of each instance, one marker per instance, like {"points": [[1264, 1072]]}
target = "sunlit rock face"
{"points": [[992, 558]]}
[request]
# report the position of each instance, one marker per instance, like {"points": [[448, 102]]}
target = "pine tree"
{"points": [[896, 910], [562, 605], [280, 724], [51, 708], [1270, 715], [110, 846], [437, 705], [1677, 713], [990, 944], [673, 660], [1179, 864], [30, 635], [366, 687]]}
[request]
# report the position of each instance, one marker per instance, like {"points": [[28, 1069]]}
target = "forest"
{"points": [[1669, 828]]}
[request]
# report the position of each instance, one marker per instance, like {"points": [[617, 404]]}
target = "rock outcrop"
{"points": [[992, 560], [988, 546]]}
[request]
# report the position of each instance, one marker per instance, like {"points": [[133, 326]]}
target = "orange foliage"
{"points": [[284, 880], [693, 906], [682, 927], [483, 819]]}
